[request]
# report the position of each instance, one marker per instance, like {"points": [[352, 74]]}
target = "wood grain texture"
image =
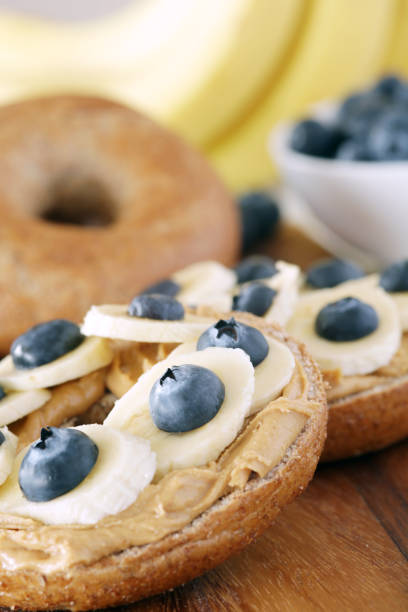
{"points": [[342, 546]]}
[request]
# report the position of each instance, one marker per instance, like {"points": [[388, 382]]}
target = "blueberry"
{"points": [[346, 320], [165, 287], [388, 139], [311, 137], [2, 438], [185, 397], [395, 277], [231, 334], [2, 393], [255, 298], [254, 268], [332, 272], [259, 217], [360, 112], [156, 306], [56, 464], [388, 86], [44, 343], [353, 150]]}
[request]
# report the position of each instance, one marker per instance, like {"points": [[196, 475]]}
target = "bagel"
{"points": [[97, 202], [367, 413], [82, 567], [366, 379]]}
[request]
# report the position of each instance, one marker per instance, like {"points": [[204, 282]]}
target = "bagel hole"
{"points": [[79, 201]]}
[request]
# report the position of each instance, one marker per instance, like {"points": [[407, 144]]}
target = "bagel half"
{"points": [[97, 202], [371, 419], [124, 573], [367, 413]]}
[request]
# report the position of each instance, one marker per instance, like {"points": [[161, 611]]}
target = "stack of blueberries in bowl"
{"points": [[349, 162], [369, 126]]}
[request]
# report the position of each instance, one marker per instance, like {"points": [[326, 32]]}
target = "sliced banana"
{"points": [[112, 321], [401, 301], [125, 465], [399, 297], [90, 355], [8, 450], [359, 356], [286, 283], [207, 283], [17, 404], [201, 445], [271, 375]]}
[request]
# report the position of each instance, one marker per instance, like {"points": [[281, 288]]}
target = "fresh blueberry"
{"points": [[311, 137], [259, 218], [2, 393], [56, 464], [401, 96], [185, 398], [165, 287], [231, 334], [44, 343], [346, 320], [256, 298], [332, 272], [353, 150], [359, 112], [395, 277], [2, 438], [156, 306], [388, 139], [388, 86], [255, 267]]}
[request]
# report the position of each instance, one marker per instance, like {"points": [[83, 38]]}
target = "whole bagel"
{"points": [[96, 202]]}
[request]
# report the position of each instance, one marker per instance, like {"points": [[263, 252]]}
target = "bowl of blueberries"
{"points": [[349, 163]]}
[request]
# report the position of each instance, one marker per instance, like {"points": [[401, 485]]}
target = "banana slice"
{"points": [[359, 356], [112, 321], [207, 283], [271, 375], [8, 450], [124, 467], [400, 298], [286, 283], [92, 354], [201, 445], [20, 403]]}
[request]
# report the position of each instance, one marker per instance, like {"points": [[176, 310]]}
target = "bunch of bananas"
{"points": [[221, 74]]}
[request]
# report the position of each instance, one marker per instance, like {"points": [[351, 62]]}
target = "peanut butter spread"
{"points": [[339, 386], [170, 504], [68, 400], [131, 360]]}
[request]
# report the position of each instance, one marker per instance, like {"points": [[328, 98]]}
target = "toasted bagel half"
{"points": [[151, 546]]}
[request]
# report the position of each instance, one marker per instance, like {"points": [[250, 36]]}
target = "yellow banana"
{"points": [[341, 46], [397, 57]]}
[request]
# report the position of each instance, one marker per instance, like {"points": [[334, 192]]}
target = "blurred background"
{"points": [[221, 74]]}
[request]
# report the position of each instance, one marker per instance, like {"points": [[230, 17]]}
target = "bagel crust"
{"points": [[97, 202], [367, 421], [370, 412], [228, 525]]}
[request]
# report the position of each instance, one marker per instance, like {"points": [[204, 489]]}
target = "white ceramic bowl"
{"points": [[364, 203]]}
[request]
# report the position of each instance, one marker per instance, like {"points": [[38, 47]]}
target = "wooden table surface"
{"points": [[341, 546]]}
